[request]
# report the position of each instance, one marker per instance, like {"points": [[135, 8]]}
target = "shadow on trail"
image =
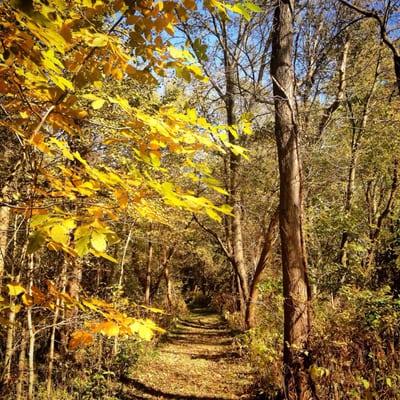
{"points": [[156, 392]]}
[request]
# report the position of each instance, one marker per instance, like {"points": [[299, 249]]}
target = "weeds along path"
{"points": [[197, 361]]}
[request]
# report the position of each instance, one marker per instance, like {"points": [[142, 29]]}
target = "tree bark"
{"points": [[20, 387], [234, 164], [167, 276], [4, 224], [297, 324], [63, 281], [148, 275], [32, 337], [250, 319], [121, 272], [9, 352]]}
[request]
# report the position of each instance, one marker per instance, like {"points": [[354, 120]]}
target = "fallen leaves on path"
{"points": [[197, 361]]}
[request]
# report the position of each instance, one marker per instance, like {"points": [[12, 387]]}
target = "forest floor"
{"points": [[197, 360]]}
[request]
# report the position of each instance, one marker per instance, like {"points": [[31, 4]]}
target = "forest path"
{"points": [[198, 360]]}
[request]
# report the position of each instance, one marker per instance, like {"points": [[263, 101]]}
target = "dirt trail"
{"points": [[197, 361]]}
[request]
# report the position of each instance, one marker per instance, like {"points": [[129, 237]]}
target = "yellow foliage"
{"points": [[15, 289], [62, 67]]}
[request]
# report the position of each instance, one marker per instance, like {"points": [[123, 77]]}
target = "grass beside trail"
{"points": [[197, 361]]}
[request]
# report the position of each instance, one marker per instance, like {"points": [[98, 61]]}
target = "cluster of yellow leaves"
{"points": [[53, 60], [113, 323]]}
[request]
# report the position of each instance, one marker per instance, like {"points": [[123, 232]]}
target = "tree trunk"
{"points": [[168, 285], [396, 61], [21, 367], [251, 308], [234, 162], [63, 282], [349, 200], [31, 331], [167, 277], [148, 275], [9, 344], [121, 272], [297, 324], [75, 277], [4, 224]]}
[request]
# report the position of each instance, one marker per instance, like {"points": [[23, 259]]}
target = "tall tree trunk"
{"points": [[297, 324], [168, 284], [148, 275], [234, 163], [167, 276], [73, 286], [4, 224], [349, 199], [32, 338]]}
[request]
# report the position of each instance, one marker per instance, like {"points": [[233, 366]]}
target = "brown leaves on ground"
{"points": [[197, 361]]}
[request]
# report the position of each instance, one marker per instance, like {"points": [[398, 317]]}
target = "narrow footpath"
{"points": [[198, 360]]}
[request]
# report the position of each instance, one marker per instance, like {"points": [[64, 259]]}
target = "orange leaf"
{"points": [[80, 338], [107, 328], [122, 197]]}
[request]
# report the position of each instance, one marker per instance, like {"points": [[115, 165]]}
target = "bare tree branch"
{"points": [[383, 33]]}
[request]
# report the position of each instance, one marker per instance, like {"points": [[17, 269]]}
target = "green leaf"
{"points": [[98, 241], [82, 246], [183, 73], [253, 7]]}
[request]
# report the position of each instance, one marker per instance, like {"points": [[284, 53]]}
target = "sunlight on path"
{"points": [[197, 361]]}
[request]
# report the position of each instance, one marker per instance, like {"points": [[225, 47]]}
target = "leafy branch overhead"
{"points": [[54, 63]]}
